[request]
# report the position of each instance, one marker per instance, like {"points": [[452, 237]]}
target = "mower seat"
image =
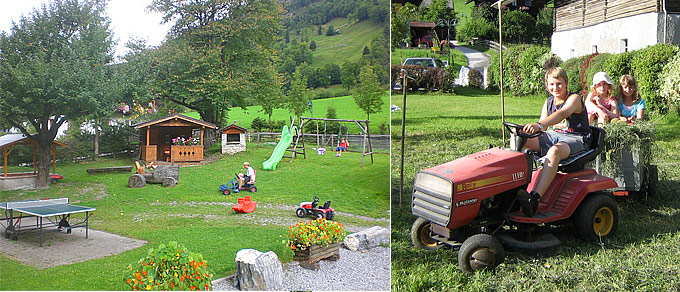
{"points": [[577, 161], [326, 205]]}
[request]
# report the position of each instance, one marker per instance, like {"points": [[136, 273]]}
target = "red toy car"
{"points": [[311, 208]]}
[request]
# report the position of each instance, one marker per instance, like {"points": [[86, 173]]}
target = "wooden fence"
{"points": [[380, 143]]}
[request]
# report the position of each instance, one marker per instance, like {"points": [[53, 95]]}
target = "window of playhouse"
{"points": [[233, 138]]}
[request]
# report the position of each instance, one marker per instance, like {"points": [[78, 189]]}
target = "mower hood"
{"points": [[450, 194]]}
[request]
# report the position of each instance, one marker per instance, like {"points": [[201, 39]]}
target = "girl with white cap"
{"points": [[600, 102]]}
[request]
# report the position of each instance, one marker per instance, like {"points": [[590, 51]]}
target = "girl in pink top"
{"points": [[600, 102]]}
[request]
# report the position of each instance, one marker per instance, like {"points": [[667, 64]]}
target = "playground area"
{"points": [[195, 213]]}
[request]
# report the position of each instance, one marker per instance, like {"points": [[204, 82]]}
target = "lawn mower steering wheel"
{"points": [[517, 130], [316, 199]]}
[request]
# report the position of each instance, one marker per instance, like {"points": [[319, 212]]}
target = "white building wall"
{"points": [[233, 148], [640, 30]]}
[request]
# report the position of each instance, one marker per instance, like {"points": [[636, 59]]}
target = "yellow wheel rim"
{"points": [[603, 221], [426, 237]]}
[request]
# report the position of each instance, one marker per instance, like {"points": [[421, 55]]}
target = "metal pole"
{"points": [[500, 57], [403, 132]]}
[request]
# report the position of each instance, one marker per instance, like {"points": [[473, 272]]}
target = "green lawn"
{"points": [[197, 215], [640, 256], [345, 108]]}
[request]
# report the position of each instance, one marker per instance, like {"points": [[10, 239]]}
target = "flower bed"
{"points": [[169, 267]]}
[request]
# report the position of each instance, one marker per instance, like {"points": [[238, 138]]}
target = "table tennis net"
{"points": [[35, 203]]}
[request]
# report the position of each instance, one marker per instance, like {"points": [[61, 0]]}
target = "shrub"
{"points": [[476, 27], [619, 64], [424, 77], [597, 63], [169, 267], [316, 232], [648, 65], [258, 124], [518, 26], [670, 81], [475, 78], [573, 68], [523, 68]]}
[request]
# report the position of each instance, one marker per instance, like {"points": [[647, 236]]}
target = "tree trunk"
{"points": [[44, 162], [96, 141]]}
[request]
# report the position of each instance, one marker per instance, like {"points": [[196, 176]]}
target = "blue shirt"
{"points": [[629, 111]]}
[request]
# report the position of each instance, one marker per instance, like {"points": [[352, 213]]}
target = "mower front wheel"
{"points": [[300, 212], [319, 215], [330, 215], [479, 252], [226, 192], [596, 217], [421, 236]]}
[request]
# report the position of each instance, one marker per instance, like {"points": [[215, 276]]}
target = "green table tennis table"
{"points": [[48, 212]]}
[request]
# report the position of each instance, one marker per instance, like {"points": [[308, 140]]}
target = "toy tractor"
{"points": [[470, 203], [312, 209], [232, 186]]}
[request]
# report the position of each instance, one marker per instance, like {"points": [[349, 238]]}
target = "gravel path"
{"points": [[354, 271]]}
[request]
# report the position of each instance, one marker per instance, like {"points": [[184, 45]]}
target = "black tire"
{"points": [[226, 192], [479, 252], [652, 181], [319, 215], [300, 212], [596, 217], [253, 189], [421, 236], [330, 215]]}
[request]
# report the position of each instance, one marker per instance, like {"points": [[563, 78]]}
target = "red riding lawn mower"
{"points": [[470, 203]]}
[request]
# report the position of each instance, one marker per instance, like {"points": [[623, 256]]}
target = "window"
{"points": [[623, 46], [233, 138], [594, 49]]}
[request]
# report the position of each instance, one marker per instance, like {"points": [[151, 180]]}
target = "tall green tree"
{"points": [[368, 96], [53, 64], [298, 95], [439, 9], [217, 48]]}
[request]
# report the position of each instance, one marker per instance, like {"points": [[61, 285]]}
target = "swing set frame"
{"points": [[363, 125]]}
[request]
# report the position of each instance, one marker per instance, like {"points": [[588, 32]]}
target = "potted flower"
{"points": [[315, 240]]}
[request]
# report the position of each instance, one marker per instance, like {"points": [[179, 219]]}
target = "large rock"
{"points": [[367, 239], [258, 271]]}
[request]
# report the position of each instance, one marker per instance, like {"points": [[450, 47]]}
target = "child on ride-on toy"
{"points": [[249, 177], [566, 113]]}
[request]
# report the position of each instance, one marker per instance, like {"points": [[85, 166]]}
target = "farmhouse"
{"points": [[233, 139], [613, 26]]}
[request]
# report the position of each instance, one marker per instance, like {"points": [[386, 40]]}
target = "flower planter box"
{"points": [[309, 258]]}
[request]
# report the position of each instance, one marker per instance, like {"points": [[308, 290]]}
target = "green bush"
{"points": [[424, 77], [258, 124], [619, 64], [523, 68], [670, 81], [597, 63], [518, 26], [648, 64], [169, 267], [476, 26], [573, 68]]}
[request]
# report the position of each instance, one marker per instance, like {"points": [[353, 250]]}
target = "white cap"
{"points": [[601, 76]]}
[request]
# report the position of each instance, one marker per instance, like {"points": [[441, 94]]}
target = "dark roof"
{"points": [[233, 126], [13, 139], [421, 24], [174, 116]]}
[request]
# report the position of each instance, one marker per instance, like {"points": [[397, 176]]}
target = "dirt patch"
{"points": [[60, 248]]}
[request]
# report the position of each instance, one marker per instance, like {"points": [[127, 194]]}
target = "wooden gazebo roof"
{"points": [[17, 139], [174, 120]]}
